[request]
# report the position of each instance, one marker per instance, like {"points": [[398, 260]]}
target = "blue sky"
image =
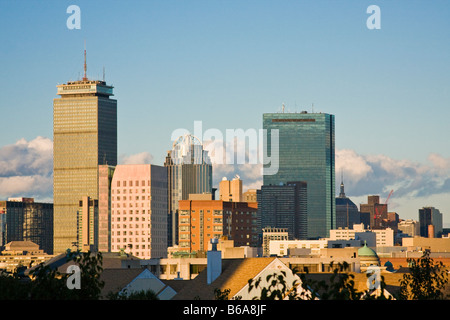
{"points": [[228, 62]]}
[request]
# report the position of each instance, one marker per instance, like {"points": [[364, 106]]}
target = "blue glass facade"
{"points": [[306, 152]]}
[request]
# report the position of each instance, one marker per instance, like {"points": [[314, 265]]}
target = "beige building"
{"points": [[409, 227], [230, 190], [383, 237], [21, 253], [432, 244], [84, 136], [249, 196]]}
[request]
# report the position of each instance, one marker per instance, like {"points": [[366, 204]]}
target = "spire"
{"points": [[342, 193]]}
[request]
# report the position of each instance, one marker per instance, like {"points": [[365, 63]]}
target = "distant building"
{"points": [[382, 237], [432, 244], [409, 227], [347, 213], [139, 210], [270, 234], [84, 137], [377, 212], [21, 254], [306, 151], [189, 171], [203, 220], [430, 216], [231, 190], [282, 247], [26, 220], [249, 196], [87, 225], [285, 206]]}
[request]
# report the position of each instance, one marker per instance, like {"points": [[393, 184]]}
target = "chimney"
{"points": [[214, 262]]}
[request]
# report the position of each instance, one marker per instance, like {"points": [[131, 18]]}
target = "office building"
{"points": [[84, 137], [285, 206], [139, 210], [347, 213], [270, 234], [189, 171], [249, 196], [87, 225], [203, 220], [231, 190], [430, 216], [409, 227], [306, 152], [375, 211], [26, 220], [105, 175]]}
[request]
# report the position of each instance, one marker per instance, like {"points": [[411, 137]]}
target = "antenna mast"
{"points": [[85, 65]]}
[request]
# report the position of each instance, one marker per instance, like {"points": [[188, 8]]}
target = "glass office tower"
{"points": [[189, 171], [306, 152], [84, 137]]}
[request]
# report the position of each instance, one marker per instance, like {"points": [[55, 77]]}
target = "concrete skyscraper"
{"points": [[84, 137], [189, 171], [306, 152]]}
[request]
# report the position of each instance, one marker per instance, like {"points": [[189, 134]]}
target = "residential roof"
{"points": [[235, 275], [116, 279]]}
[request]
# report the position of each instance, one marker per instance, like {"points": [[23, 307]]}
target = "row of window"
{"points": [[130, 183]]}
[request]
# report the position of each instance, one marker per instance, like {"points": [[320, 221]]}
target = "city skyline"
{"points": [[388, 88]]}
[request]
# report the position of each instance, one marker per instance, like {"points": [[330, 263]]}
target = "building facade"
{"points": [[203, 220], [26, 220], [231, 190], [430, 216], [139, 210], [347, 213], [189, 171], [84, 136], [285, 206], [306, 152], [376, 211], [409, 227]]}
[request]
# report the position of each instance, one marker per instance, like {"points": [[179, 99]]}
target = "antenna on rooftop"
{"points": [[312, 107], [85, 65], [282, 108], [103, 73]]}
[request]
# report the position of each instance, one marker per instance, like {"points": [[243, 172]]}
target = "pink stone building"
{"points": [[139, 210]]}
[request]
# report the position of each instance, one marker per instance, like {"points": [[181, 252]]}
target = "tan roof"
{"points": [[19, 245], [235, 275], [116, 279]]}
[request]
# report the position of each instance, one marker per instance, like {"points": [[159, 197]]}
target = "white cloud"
{"points": [[26, 169], [138, 158]]}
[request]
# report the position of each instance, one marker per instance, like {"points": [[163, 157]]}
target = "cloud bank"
{"points": [[26, 169]]}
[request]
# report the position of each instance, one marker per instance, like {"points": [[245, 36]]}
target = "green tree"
{"points": [[425, 281], [45, 283]]}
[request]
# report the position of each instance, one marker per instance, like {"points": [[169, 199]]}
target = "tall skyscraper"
{"points": [[306, 152], [84, 136], [189, 171]]}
